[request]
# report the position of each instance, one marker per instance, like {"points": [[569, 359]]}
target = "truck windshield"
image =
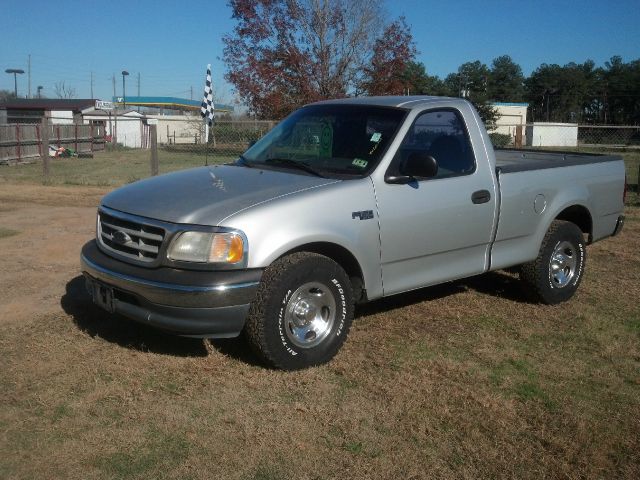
{"points": [[328, 140]]}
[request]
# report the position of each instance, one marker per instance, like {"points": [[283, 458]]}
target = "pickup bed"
{"points": [[343, 202]]}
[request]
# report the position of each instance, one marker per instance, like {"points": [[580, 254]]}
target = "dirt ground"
{"points": [[466, 380], [52, 224]]}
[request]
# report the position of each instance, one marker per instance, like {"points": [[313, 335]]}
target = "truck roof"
{"points": [[408, 102]]}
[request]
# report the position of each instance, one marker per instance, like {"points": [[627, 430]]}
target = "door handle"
{"points": [[481, 196]]}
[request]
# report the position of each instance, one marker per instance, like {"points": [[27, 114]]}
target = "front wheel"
{"points": [[554, 276], [302, 311]]}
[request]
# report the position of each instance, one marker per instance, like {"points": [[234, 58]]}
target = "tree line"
{"points": [[285, 53]]}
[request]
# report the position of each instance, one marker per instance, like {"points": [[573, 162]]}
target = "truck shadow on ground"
{"points": [[496, 284], [117, 329]]}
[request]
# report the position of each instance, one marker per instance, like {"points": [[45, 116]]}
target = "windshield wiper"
{"points": [[299, 165]]}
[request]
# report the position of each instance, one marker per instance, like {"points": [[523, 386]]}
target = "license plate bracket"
{"points": [[102, 295]]}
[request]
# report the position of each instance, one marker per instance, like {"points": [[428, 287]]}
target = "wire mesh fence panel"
{"points": [[565, 135], [123, 145], [227, 139], [615, 136]]}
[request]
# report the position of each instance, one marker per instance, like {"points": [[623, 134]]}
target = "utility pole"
{"points": [[124, 91], [29, 75], [44, 140], [138, 91], [91, 84], [191, 92], [114, 132]]}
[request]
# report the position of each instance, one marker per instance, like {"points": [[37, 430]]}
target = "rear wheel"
{"points": [[554, 276], [302, 311]]}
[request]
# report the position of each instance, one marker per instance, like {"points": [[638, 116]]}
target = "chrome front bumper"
{"points": [[190, 303]]}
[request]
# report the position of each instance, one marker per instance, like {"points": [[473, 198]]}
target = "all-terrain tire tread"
{"points": [[534, 273], [255, 328]]}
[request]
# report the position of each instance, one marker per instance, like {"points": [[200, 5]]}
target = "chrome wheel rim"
{"points": [[309, 315], [562, 266]]}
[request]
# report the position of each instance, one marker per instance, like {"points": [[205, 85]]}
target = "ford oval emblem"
{"points": [[120, 237]]}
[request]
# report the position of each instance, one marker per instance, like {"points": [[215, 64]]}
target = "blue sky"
{"points": [[170, 43]]}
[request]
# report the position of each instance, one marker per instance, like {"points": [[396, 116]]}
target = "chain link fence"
{"points": [[123, 150], [562, 135], [227, 138]]}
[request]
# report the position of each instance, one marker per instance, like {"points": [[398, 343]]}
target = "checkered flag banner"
{"points": [[207, 101]]}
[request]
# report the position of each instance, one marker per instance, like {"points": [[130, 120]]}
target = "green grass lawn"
{"points": [[108, 168]]}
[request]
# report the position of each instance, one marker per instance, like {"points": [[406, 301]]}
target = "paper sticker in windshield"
{"points": [[358, 162], [376, 137], [326, 140]]}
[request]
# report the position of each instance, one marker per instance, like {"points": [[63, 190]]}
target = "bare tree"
{"points": [[63, 91], [6, 95]]}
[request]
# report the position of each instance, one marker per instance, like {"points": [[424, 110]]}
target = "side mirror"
{"points": [[417, 165]]}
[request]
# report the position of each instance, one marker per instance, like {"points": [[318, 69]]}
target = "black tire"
{"points": [[554, 276], [294, 291]]}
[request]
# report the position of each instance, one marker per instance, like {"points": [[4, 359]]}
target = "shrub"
{"points": [[500, 140]]}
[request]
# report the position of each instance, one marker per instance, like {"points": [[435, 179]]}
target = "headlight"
{"points": [[207, 247]]}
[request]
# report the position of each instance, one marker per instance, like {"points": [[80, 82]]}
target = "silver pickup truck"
{"points": [[345, 201]]}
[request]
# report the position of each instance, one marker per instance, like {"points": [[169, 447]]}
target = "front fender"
{"points": [[327, 214]]}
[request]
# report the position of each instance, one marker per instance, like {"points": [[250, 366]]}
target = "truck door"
{"points": [[440, 228]]}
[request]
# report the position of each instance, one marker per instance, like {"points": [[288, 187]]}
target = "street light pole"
{"points": [[124, 92], [15, 72]]}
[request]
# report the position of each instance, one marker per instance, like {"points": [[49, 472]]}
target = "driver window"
{"points": [[442, 134]]}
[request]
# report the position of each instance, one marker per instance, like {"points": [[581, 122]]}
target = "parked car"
{"points": [[346, 201]]}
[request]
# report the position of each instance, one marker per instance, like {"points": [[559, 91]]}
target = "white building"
{"points": [[543, 134], [129, 127], [175, 129], [511, 116]]}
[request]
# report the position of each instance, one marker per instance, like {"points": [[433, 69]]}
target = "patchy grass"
{"points": [[160, 450], [464, 380], [7, 232]]}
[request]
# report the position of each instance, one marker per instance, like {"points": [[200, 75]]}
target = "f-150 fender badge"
{"points": [[363, 215]]}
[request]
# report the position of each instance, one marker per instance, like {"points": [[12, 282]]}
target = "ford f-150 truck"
{"points": [[345, 201]]}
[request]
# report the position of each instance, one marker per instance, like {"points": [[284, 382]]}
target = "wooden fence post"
{"points": [[45, 146], [18, 144], [39, 139], [518, 141], [154, 149]]}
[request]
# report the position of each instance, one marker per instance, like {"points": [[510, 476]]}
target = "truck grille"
{"points": [[129, 238]]}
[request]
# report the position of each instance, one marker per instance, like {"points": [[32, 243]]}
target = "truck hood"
{"points": [[206, 195]]}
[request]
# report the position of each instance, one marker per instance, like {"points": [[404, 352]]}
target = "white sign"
{"points": [[104, 105], [152, 121]]}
